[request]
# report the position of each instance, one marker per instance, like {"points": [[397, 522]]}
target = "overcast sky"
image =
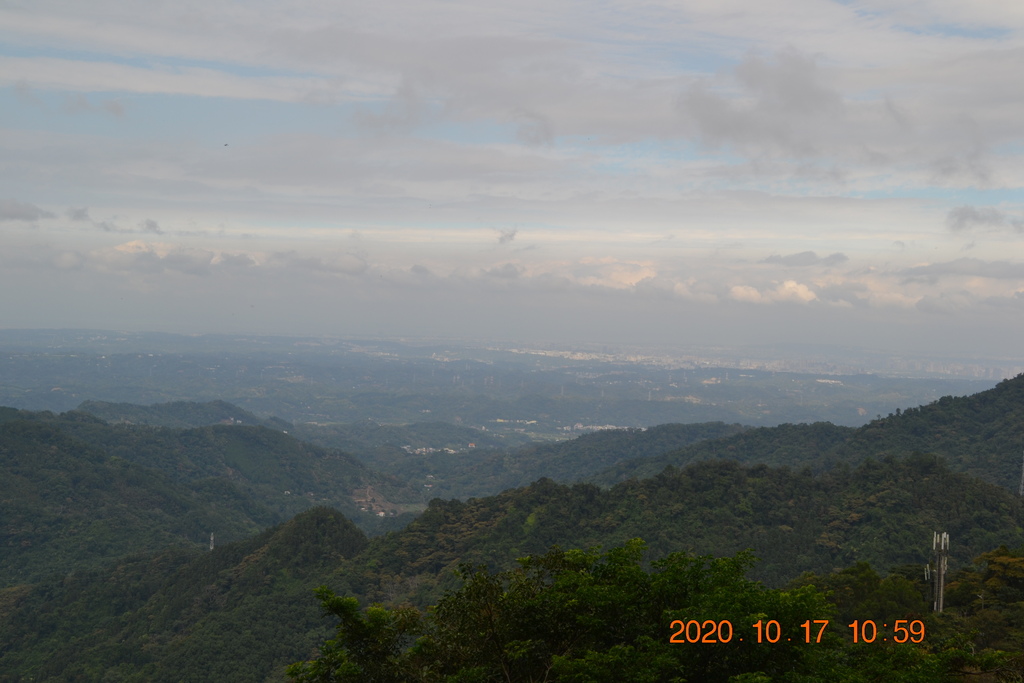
{"points": [[703, 172]]}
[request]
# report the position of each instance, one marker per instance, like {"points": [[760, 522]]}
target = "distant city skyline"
{"points": [[680, 174]]}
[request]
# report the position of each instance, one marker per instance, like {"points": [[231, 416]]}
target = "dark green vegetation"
{"points": [[580, 616], [239, 613], [75, 491], [982, 435], [65, 505], [882, 511], [271, 466], [576, 616]]}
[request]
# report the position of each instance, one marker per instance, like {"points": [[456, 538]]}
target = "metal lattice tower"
{"points": [[940, 546]]}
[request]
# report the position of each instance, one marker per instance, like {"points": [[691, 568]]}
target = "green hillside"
{"points": [[244, 610], [982, 435], [181, 414], [68, 506], [239, 613], [272, 466], [76, 492], [788, 445], [883, 512]]}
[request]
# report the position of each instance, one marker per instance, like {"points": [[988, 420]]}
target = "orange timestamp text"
{"points": [[811, 631]]}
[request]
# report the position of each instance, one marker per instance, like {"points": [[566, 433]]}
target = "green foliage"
{"points": [[582, 616], [573, 616], [882, 512], [67, 506], [369, 646], [858, 592], [234, 614]]}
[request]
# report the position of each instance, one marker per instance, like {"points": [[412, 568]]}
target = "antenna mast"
{"points": [[211, 540], [940, 546]]}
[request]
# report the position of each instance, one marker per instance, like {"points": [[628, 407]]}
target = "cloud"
{"points": [[963, 218], [780, 103], [107, 226], [790, 290], [343, 264], [507, 271], [155, 258], [746, 293], [23, 91], [76, 214], [113, 107], [189, 261], [612, 273], [147, 226], [68, 260], [845, 293], [79, 103], [946, 303], [13, 210], [152, 258], [534, 129], [506, 236], [807, 258], [151, 226], [402, 113], [233, 260], [76, 104], [97, 76], [964, 267]]}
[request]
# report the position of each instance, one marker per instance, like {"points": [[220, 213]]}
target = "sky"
{"points": [[710, 172]]}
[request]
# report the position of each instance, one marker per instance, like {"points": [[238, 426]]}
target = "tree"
{"points": [[581, 616]]}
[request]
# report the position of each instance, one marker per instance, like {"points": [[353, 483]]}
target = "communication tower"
{"points": [[940, 546]]}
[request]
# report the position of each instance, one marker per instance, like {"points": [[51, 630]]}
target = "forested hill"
{"points": [[182, 414], [66, 506], [247, 609], [270, 465], [239, 613], [882, 511], [981, 434], [788, 445], [75, 491]]}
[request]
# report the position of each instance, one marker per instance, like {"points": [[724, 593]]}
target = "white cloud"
{"points": [[13, 210], [789, 290], [670, 159]]}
